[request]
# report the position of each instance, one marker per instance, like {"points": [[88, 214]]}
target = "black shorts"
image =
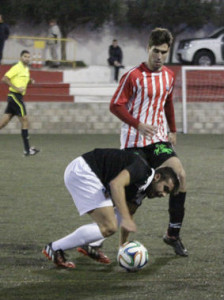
{"points": [[15, 106], [155, 154]]}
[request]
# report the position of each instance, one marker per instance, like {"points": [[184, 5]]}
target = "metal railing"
{"points": [[40, 50]]}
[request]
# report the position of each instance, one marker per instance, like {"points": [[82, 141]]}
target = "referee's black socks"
{"points": [[25, 136], [176, 211]]}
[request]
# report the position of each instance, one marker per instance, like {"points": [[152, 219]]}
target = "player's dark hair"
{"points": [[24, 52], [159, 36], [165, 174]]}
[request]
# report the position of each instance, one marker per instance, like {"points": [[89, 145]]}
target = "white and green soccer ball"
{"points": [[132, 256]]}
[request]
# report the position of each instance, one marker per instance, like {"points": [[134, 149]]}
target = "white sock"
{"points": [[100, 242], [81, 236], [97, 243]]}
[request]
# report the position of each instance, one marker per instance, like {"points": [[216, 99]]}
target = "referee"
{"points": [[17, 78]]}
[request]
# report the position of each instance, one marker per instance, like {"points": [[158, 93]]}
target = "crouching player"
{"points": [[103, 183]]}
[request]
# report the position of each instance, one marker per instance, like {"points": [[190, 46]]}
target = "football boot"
{"points": [[177, 245], [58, 257], [32, 151], [94, 253]]}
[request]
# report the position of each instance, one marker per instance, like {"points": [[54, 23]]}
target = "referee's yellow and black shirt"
{"points": [[19, 76]]}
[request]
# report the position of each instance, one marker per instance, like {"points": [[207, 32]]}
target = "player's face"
{"points": [[157, 56], [25, 58], [115, 43], [160, 188]]}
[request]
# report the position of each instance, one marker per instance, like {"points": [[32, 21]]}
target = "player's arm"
{"points": [[138, 170], [170, 116], [117, 189], [118, 106], [120, 110], [124, 234], [7, 81], [122, 113]]}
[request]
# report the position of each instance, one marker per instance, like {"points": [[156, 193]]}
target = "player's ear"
{"points": [[157, 177]]}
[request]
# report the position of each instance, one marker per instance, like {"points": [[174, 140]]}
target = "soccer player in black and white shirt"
{"points": [[103, 183]]}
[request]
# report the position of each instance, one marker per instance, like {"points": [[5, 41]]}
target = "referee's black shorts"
{"points": [[15, 105]]}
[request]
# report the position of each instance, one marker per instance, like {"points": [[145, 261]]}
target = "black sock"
{"points": [[25, 137], [176, 211]]}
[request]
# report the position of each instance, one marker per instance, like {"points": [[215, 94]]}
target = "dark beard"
{"points": [[150, 191]]}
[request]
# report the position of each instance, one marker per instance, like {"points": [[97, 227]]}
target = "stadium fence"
{"points": [[38, 47]]}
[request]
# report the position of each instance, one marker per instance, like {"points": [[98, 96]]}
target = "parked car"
{"points": [[202, 51]]}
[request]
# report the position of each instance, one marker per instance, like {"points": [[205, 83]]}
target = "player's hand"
{"points": [[20, 89], [32, 80], [147, 130], [173, 138], [129, 225]]}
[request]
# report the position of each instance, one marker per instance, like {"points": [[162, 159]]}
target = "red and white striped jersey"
{"points": [[147, 98]]}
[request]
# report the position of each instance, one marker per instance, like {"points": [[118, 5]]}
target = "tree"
{"points": [[69, 13], [176, 15], [219, 14], [6, 9]]}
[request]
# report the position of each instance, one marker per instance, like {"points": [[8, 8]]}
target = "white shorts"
{"points": [[85, 187]]}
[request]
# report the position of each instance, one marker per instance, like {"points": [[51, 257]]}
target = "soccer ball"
{"points": [[132, 256]]}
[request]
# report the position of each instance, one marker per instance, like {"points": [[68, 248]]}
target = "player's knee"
{"points": [[182, 175], [109, 229], [24, 121]]}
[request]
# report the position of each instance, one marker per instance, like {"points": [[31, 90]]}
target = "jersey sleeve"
{"points": [[120, 100], [12, 72], [169, 111]]}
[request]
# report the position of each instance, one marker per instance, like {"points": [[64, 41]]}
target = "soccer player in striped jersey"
{"points": [[143, 101], [17, 78]]}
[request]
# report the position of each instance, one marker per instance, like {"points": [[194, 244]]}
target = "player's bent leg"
{"points": [[107, 222], [81, 236], [105, 219], [175, 163], [94, 250], [176, 209], [84, 235]]}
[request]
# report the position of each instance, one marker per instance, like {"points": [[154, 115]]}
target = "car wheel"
{"points": [[204, 58]]}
